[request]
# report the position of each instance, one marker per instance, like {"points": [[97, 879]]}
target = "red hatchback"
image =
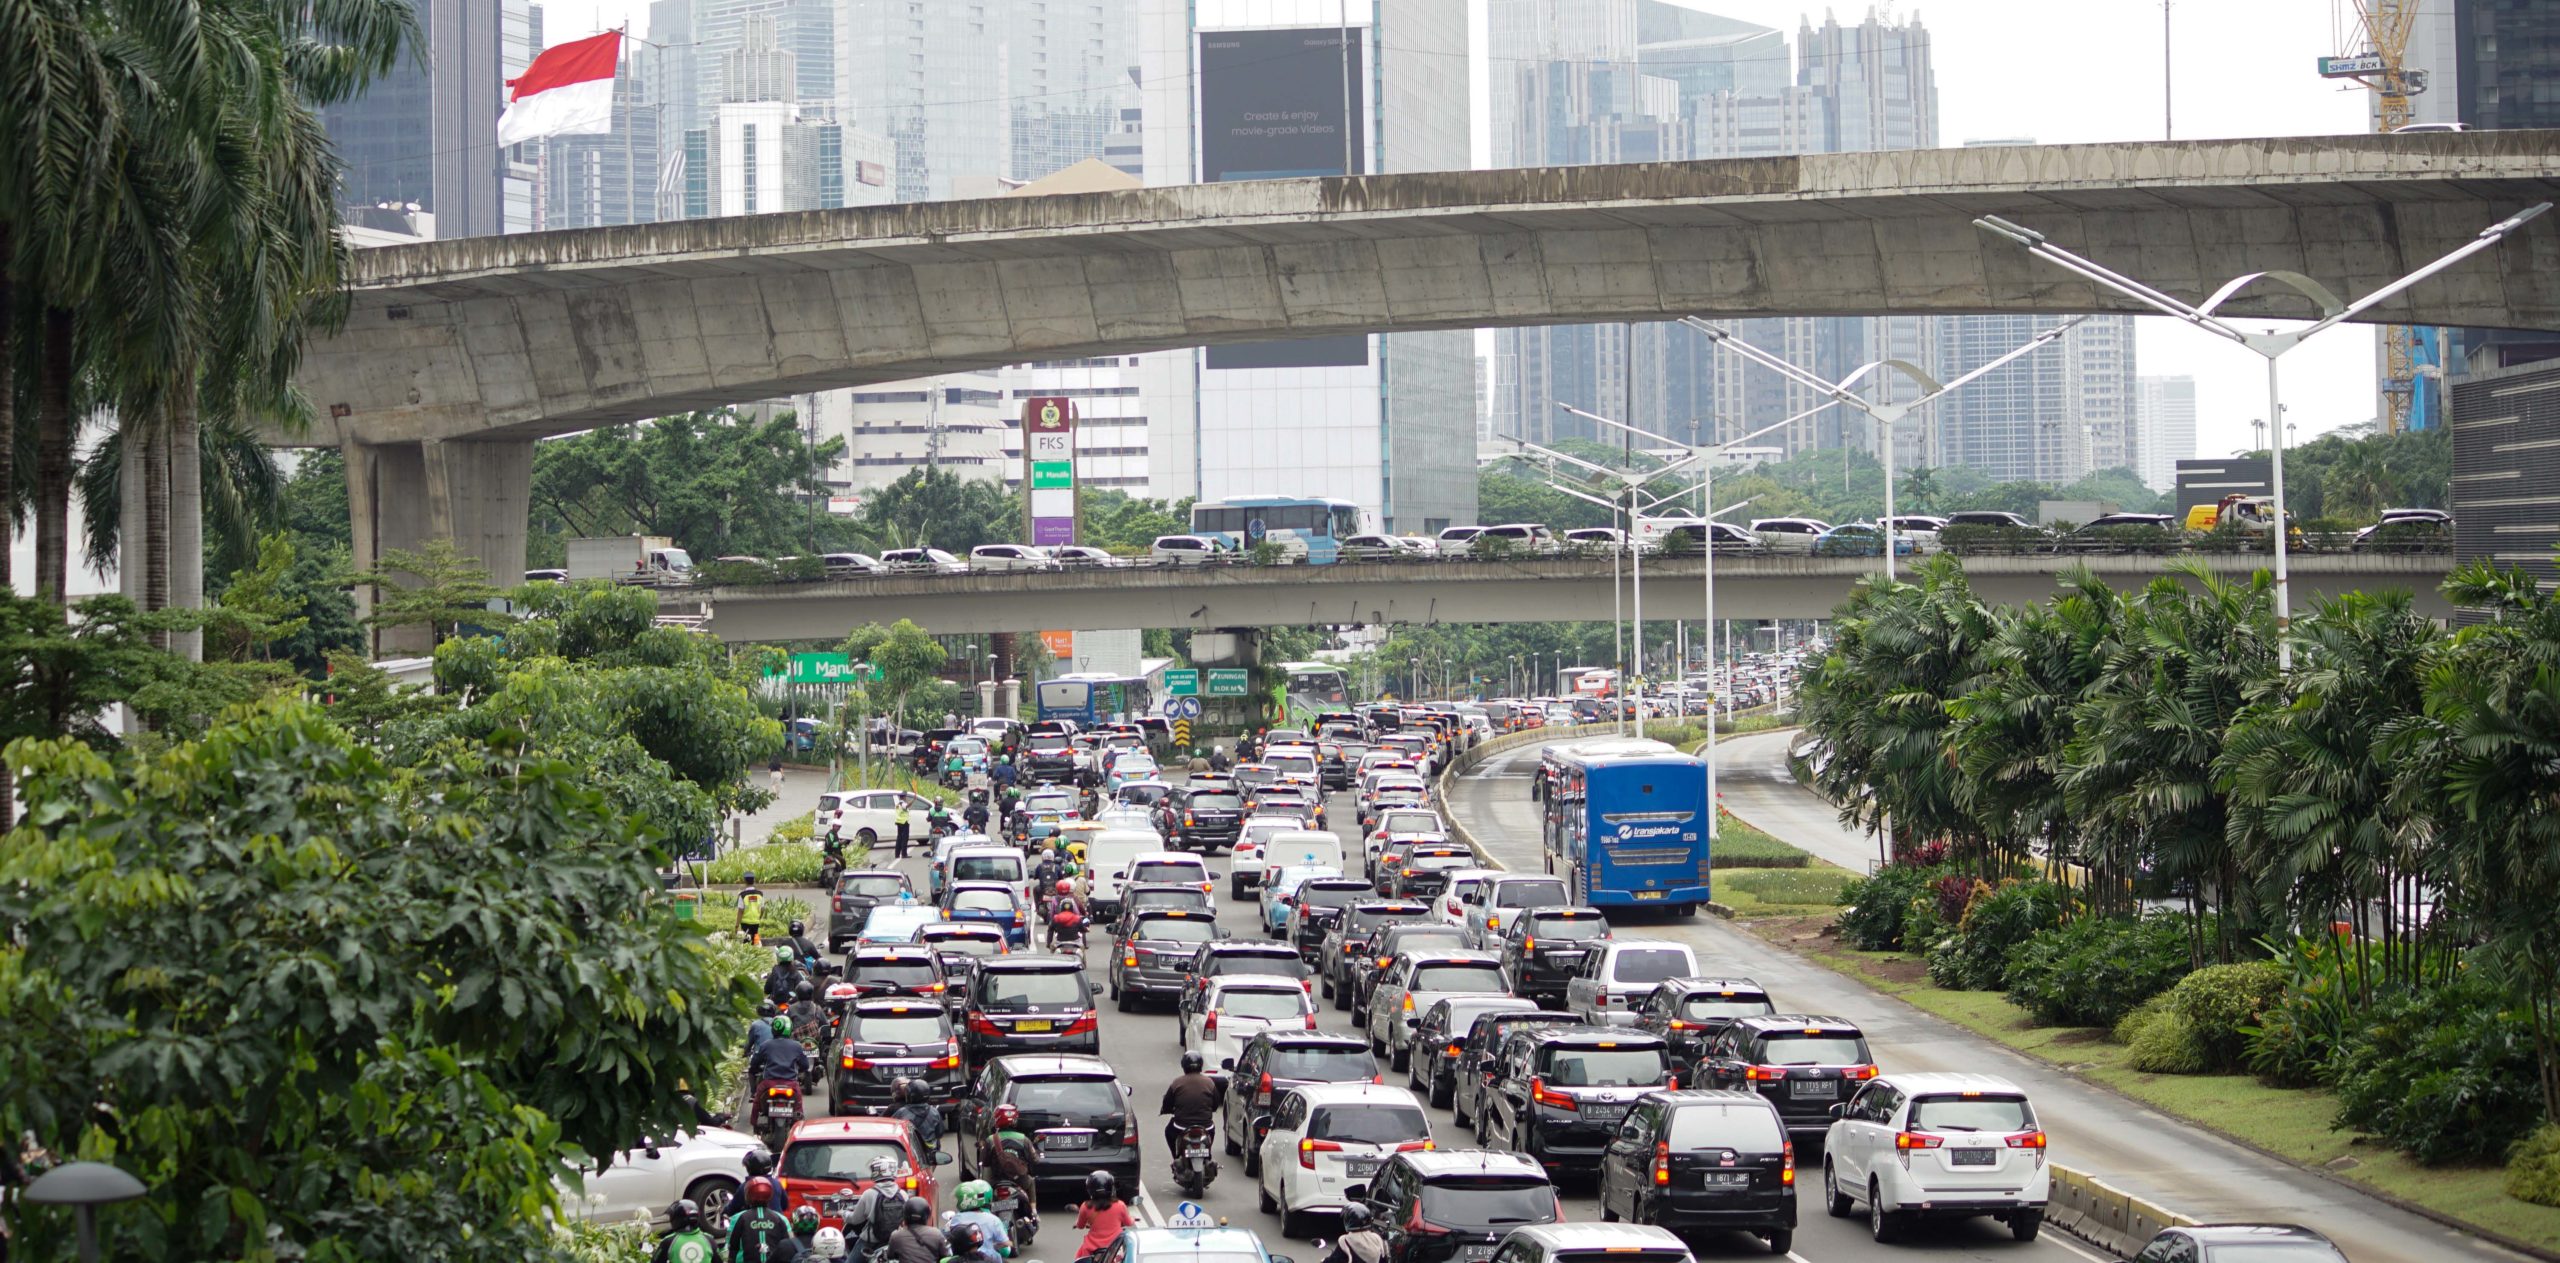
{"points": [[825, 1157]]}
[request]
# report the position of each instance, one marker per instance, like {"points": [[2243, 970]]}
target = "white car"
{"points": [[925, 560], [1453, 540], [1920, 528], [1244, 869], [1451, 906], [871, 815], [1617, 979], [708, 1166], [1082, 557], [1010, 557], [1915, 1146], [1187, 550], [1374, 547], [848, 565], [1517, 537], [1507, 895], [1790, 534], [1237, 1007], [1327, 1137], [1414, 983], [1169, 868]]}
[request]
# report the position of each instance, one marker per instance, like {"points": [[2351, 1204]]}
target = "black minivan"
{"points": [[1701, 1160], [1455, 1207], [1030, 1004], [1803, 1065]]}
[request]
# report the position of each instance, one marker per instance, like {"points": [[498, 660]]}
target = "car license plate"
{"points": [[1029, 1026], [1815, 1089], [1561, 955], [1650, 894], [1475, 1252], [1066, 1140], [1972, 1157], [1604, 1113], [1728, 1179], [1360, 1167]]}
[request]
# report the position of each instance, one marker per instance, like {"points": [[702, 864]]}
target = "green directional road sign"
{"points": [[825, 668], [1181, 683], [1227, 682]]}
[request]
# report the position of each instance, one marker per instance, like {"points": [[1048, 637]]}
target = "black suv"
{"points": [[1391, 942], [1454, 1207], [855, 895], [1049, 760], [896, 969], [1274, 1062], [1473, 1074], [1703, 1160], [1440, 1038], [1152, 957], [1026, 1003], [1316, 905], [1351, 940], [1424, 870], [1803, 1065], [1690, 1011], [1229, 957], [1078, 1115], [1559, 1095], [1206, 820], [887, 1038], [1542, 948]]}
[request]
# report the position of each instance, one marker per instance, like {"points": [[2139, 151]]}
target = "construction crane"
{"points": [[2372, 56]]}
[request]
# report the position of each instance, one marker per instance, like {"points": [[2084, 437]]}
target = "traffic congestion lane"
{"points": [[2176, 1165]]}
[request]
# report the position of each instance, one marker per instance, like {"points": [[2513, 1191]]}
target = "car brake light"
{"points": [[908, 1184], [1457, 1050], [1311, 1021], [1764, 1074], [1661, 1163], [1413, 1222], [1130, 960], [1209, 1027], [1408, 1002], [1861, 1072], [2027, 1140], [1529, 944], [1555, 1100], [1787, 1173], [1089, 1024], [979, 1025], [852, 1062], [1678, 1025], [1917, 1140], [1385, 961], [1308, 1149]]}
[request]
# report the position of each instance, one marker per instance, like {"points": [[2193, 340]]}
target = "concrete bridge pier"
{"points": [[400, 495]]}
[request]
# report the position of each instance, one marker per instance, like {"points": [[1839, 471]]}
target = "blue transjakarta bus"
{"points": [[1315, 526], [1625, 821]]}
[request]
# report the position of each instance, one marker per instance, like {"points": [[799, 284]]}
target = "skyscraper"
{"points": [[611, 178], [2165, 421], [2053, 416], [428, 131]]}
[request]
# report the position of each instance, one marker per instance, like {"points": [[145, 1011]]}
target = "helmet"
{"points": [[828, 1244], [1008, 1118], [760, 1191], [805, 1219], [1066, 887], [759, 1161], [781, 1027], [966, 1239], [1355, 1217], [1192, 1061], [805, 991], [683, 1215], [1100, 1186], [751, 880], [782, 954], [919, 1210], [799, 928], [765, 1008], [901, 1089], [974, 1195], [884, 1167]]}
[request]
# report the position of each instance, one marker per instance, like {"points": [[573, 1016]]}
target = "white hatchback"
{"points": [[1451, 906], [1937, 1146], [1187, 550], [1237, 1007], [1327, 1137]]}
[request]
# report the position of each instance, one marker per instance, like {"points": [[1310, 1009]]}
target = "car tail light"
{"points": [[1308, 1149], [851, 1062], [1529, 944], [1090, 1023], [1209, 1027], [1661, 1163], [1414, 1225], [1308, 985], [1311, 1021], [1130, 960], [1787, 1172], [979, 1025], [950, 1059], [1408, 1002], [2027, 1140], [1764, 1074], [1263, 1092], [1861, 1072], [1908, 1140], [1557, 1100]]}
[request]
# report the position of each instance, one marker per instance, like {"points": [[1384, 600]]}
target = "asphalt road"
{"points": [[2093, 1130]]}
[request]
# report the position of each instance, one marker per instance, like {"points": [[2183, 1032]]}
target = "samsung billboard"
{"points": [[1273, 105]]}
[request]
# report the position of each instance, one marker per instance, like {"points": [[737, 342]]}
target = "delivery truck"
{"points": [[648, 560]]}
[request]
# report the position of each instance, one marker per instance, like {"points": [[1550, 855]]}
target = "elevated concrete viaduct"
{"points": [[456, 353], [1528, 590]]}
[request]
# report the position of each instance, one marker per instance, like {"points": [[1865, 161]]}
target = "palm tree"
{"points": [[2011, 730]]}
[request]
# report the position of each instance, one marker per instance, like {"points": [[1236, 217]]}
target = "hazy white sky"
{"points": [[2074, 71]]}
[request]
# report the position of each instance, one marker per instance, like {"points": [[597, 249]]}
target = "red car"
{"points": [[823, 1157]]}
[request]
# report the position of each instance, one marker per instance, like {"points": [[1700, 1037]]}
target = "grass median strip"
{"points": [[2290, 1123]]}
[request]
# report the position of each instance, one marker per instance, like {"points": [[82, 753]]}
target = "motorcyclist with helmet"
{"points": [[759, 1161], [1066, 918], [780, 1059], [1360, 1241], [759, 1234], [937, 821], [1102, 1215], [974, 1202], [808, 1017], [976, 814], [804, 1229], [917, 1240], [828, 1243], [880, 1209], [803, 948], [761, 1029], [685, 1241], [970, 1244], [784, 976], [917, 1112], [1192, 1099]]}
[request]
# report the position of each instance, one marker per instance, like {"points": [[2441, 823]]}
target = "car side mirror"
{"points": [[649, 1147], [1227, 1064], [1356, 1193]]}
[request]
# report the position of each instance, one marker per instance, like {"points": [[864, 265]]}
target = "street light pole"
{"points": [[2272, 344]]}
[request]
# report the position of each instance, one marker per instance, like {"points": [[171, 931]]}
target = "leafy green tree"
{"points": [[717, 482], [907, 657], [940, 509], [61, 669], [329, 1008], [438, 587], [1123, 523], [2012, 726], [1509, 497]]}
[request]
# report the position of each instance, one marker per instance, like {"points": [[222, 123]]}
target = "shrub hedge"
{"points": [[2533, 1167], [2095, 970], [2445, 1074], [1996, 920], [2221, 1004], [1880, 906]]}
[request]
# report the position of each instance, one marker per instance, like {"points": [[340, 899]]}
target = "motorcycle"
{"points": [[777, 1110], [832, 867], [1067, 939], [1193, 1167], [1016, 1209]]}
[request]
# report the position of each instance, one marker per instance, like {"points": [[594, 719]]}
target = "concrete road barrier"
{"points": [[2103, 1215]]}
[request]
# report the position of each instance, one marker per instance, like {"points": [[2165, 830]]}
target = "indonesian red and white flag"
{"points": [[569, 88]]}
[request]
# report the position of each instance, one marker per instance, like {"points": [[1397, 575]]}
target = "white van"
{"points": [[1108, 854], [1303, 848], [1294, 763]]}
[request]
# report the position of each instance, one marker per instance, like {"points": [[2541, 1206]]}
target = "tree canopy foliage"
{"points": [[717, 482]]}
